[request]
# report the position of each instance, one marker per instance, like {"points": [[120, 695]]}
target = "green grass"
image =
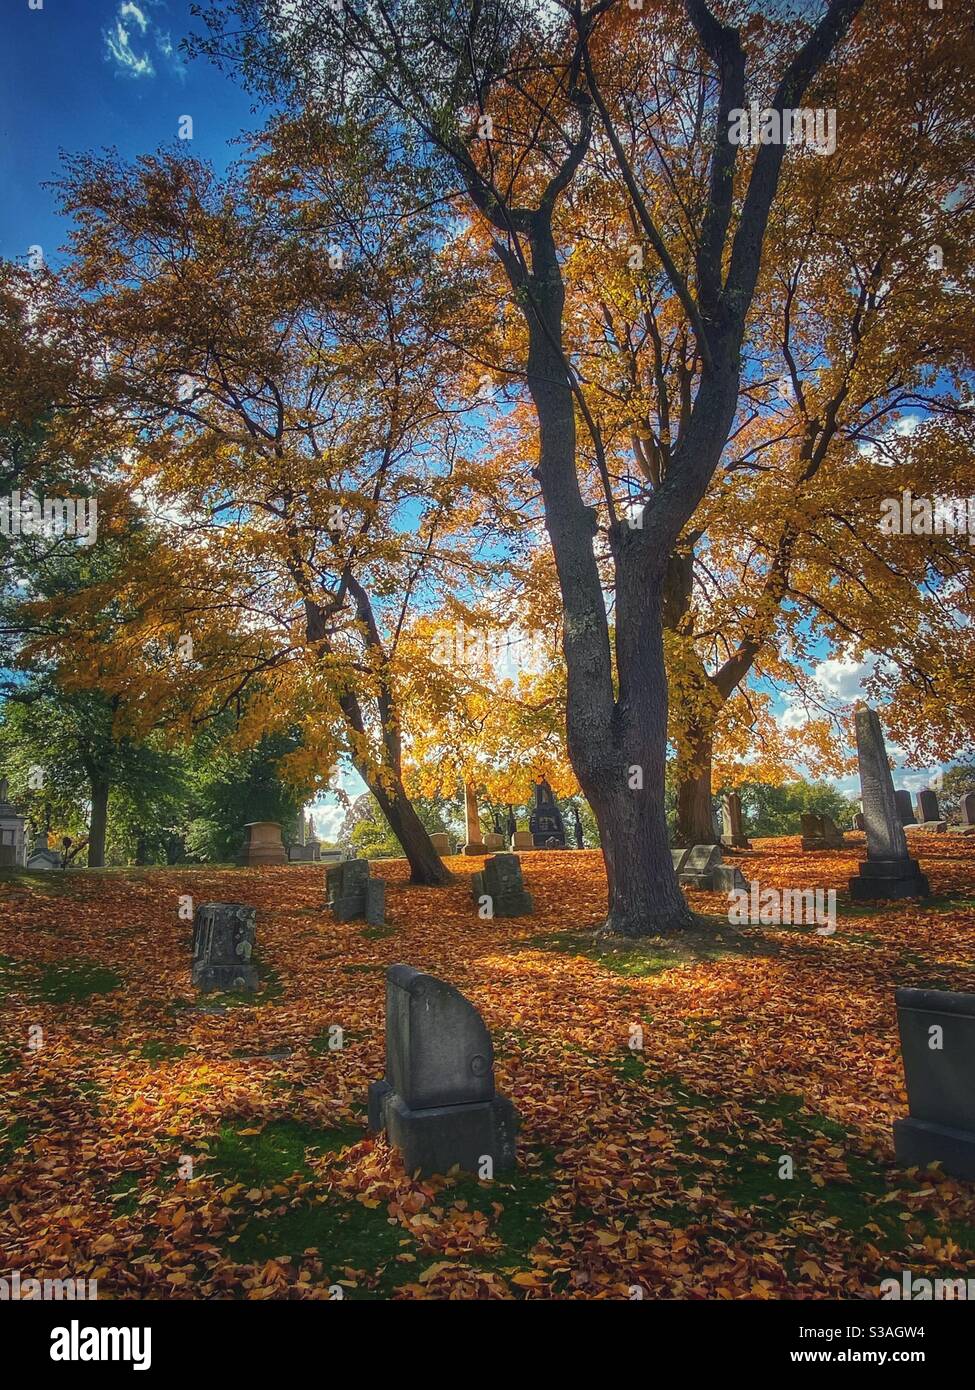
{"points": [[12, 1138], [277, 1153], [640, 958], [157, 1051], [68, 982]]}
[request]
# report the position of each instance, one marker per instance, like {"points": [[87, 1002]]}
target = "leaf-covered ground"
{"points": [[655, 1169]]}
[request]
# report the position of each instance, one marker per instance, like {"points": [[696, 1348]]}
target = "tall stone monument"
{"points": [[545, 823], [732, 825], [888, 870], [474, 843], [437, 1101]]}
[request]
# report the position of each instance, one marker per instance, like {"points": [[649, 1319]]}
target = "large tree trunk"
{"points": [[695, 810], [426, 866], [617, 744], [99, 822]]}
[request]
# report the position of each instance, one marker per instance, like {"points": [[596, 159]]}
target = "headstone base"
{"points": [[918, 1144], [435, 1139], [473, 847], [889, 878]]}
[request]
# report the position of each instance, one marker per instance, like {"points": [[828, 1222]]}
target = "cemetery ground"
{"points": [[657, 1168]]}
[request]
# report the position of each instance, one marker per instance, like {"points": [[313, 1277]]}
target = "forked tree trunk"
{"points": [[99, 822]]}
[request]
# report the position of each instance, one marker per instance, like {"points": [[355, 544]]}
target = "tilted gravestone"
{"points": [[905, 807], [223, 947], [888, 870], [352, 893], [967, 826], [937, 1033], [501, 888], [699, 866], [732, 825], [679, 856], [820, 832], [437, 1101]]}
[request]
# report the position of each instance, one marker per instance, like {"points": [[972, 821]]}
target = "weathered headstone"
{"points": [[698, 868], [679, 856], [820, 832], [502, 883], [522, 839], [732, 824], [726, 878], [493, 841], [262, 844], [474, 843], [905, 807], [351, 892], [928, 814], [937, 1033], [437, 1101], [441, 842], [545, 823], [888, 870], [967, 826], [858, 822], [223, 946]]}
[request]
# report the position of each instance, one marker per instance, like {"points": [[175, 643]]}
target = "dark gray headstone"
{"points": [[375, 905], [937, 1032], [888, 871], [820, 832], [348, 885], [905, 808], [927, 805], [968, 809], [223, 945], [679, 856], [501, 881], [698, 868], [437, 1101]]}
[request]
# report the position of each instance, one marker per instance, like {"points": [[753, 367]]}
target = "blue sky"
{"points": [[89, 74]]}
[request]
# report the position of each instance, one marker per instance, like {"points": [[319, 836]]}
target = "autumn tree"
{"points": [[511, 104]]}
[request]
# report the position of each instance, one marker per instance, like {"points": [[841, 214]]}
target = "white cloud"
{"points": [[135, 43]]}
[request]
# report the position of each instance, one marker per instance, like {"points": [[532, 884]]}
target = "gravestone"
{"points": [[13, 827], [732, 825], [522, 839], [441, 842], [262, 845], [727, 878], [42, 859], [473, 844], [223, 946], [493, 840], [511, 825], [699, 866], [577, 828], [679, 856], [545, 823], [352, 893], [928, 814], [967, 826], [858, 822], [820, 832], [937, 1033], [888, 870], [501, 881], [437, 1101], [905, 808]]}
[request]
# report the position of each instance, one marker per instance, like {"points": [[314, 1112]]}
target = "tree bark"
{"points": [[99, 822], [695, 810]]}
